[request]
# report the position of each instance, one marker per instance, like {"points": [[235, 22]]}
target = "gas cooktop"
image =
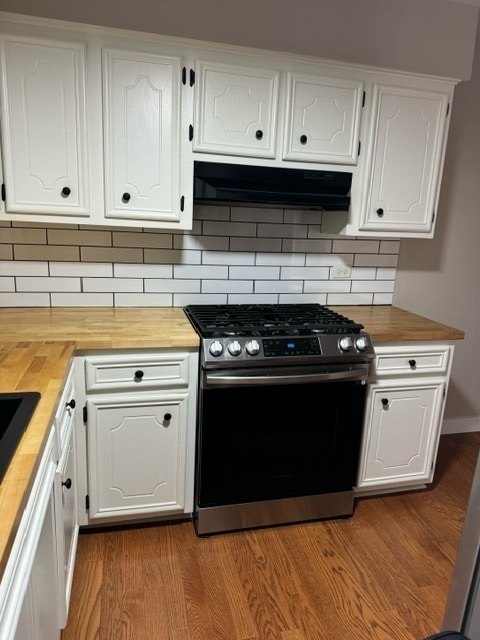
{"points": [[261, 334]]}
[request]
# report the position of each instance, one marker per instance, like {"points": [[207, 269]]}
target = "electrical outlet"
{"points": [[342, 271]]}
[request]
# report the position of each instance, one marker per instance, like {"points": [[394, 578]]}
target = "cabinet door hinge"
{"points": [[359, 147], [85, 414], [192, 77], [190, 132], [87, 502], [4, 194], [182, 203], [363, 100]]}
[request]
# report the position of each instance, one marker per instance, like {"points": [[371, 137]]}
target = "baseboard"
{"points": [[461, 425]]}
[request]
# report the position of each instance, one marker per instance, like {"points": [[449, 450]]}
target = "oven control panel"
{"points": [[245, 350]]}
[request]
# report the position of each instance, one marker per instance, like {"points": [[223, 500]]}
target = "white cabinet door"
{"points": [[66, 518], [402, 435], [136, 454], [323, 119], [235, 110], [142, 135], [406, 149], [44, 129]]}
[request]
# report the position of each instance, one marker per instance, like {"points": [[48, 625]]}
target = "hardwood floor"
{"points": [[383, 574]]}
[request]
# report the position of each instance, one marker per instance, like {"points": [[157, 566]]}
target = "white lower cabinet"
{"points": [[405, 403], [138, 438]]}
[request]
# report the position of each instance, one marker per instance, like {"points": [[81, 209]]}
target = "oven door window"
{"points": [[261, 443]]}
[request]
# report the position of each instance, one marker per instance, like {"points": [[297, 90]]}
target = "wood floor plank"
{"points": [[383, 574]]}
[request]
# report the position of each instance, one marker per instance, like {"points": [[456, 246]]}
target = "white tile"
{"points": [[239, 229], [255, 214], [306, 246], [19, 268], [24, 299], [372, 286], [6, 252], [143, 299], [355, 246], [198, 242], [281, 259], [112, 285], [47, 252], [256, 244], [172, 256], [18, 235], [260, 298], [227, 286], [170, 285], [303, 216], [375, 260], [200, 272], [383, 298], [211, 212], [150, 240], [254, 273], [363, 273], [326, 286], [142, 271], [389, 246], [82, 299], [386, 274], [26, 283], [7, 283], [228, 257], [278, 286], [78, 238], [282, 231], [111, 254], [315, 231], [304, 298], [304, 273], [86, 269], [349, 299], [182, 299], [329, 259]]}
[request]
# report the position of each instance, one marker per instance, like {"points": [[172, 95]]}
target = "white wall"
{"points": [[440, 278], [428, 36]]}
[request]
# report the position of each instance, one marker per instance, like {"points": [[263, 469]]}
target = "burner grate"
{"points": [[213, 321]]}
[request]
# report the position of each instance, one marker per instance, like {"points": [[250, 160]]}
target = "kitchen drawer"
{"points": [[136, 372], [411, 360]]}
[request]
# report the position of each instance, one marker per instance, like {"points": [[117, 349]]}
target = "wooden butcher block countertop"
{"points": [[37, 346]]}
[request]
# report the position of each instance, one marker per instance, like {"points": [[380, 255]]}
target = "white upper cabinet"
{"points": [[44, 126], [235, 111], [323, 119], [142, 135], [406, 159]]}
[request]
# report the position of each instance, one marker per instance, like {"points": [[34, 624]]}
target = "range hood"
{"points": [[219, 183]]}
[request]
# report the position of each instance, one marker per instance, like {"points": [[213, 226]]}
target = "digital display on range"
{"points": [[291, 347]]}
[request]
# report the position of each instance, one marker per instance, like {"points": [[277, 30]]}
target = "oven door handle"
{"points": [[217, 380]]}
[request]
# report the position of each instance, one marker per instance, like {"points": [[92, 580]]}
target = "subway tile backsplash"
{"points": [[232, 255]]}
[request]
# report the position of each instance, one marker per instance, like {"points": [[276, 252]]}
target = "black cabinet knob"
{"points": [[412, 363], [67, 484], [303, 139], [385, 402], [259, 134], [167, 417], [66, 191], [72, 404], [139, 374], [126, 197], [380, 212]]}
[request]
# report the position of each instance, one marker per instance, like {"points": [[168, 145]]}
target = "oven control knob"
{"points": [[345, 344], [216, 348], [234, 348], [252, 347], [361, 343]]}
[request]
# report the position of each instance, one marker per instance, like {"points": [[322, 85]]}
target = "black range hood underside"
{"points": [[218, 183]]}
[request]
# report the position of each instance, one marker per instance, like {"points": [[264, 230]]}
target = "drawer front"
{"points": [[134, 373], [411, 361]]}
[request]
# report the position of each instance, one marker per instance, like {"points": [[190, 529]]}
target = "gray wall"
{"points": [[440, 278], [428, 36]]}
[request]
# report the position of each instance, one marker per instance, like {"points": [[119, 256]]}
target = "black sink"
{"points": [[16, 409]]}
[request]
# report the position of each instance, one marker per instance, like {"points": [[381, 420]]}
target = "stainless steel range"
{"points": [[281, 400]]}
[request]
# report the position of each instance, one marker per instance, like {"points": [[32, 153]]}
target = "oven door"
{"points": [[278, 433]]}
